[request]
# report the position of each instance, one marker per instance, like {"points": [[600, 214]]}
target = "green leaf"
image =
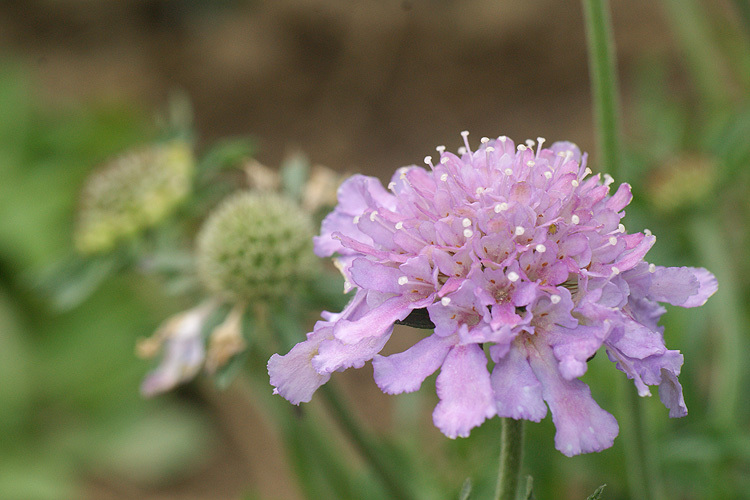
{"points": [[71, 281], [597, 494], [529, 495]]}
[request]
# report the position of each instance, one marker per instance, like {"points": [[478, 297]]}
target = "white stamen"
{"points": [[561, 154], [440, 149], [554, 298], [444, 177], [575, 219], [502, 138], [391, 185], [548, 175], [530, 163], [484, 140], [608, 179], [513, 276], [356, 219], [443, 160], [489, 149], [540, 141], [529, 143], [541, 248], [615, 271], [647, 232], [508, 171], [428, 160], [588, 171], [445, 301], [399, 225], [574, 182], [403, 280], [373, 214], [519, 230], [521, 147], [465, 135], [466, 222], [480, 190], [468, 233], [462, 150], [612, 240], [501, 207], [652, 268], [620, 228]]}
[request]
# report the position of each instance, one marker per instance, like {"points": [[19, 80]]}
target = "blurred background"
{"points": [[364, 86]]}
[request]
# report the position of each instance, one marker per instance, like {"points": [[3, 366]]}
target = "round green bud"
{"points": [[131, 193], [256, 246]]}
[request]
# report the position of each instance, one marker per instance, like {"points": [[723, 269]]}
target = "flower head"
{"points": [[519, 258], [255, 246], [131, 193]]}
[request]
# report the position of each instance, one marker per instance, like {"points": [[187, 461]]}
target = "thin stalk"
{"points": [[725, 310], [511, 457], [367, 447], [602, 71]]}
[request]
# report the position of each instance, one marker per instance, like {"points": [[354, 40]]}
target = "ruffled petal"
{"points": [[405, 371], [682, 286], [670, 393], [293, 375], [465, 392], [334, 355], [518, 393], [375, 322], [582, 426]]}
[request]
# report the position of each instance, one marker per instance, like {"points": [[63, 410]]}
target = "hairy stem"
{"points": [[511, 457]]}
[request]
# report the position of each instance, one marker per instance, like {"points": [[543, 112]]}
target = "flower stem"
{"points": [[602, 63], [511, 457]]}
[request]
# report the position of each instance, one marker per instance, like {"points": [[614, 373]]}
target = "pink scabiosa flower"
{"points": [[517, 257]]}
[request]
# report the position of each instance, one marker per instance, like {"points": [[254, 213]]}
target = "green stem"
{"points": [[364, 443], [725, 310], [511, 457], [602, 63]]}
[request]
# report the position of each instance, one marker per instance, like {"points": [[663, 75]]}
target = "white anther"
{"points": [[466, 222], [444, 177], [620, 228], [428, 160], [508, 171], [356, 219], [443, 160], [574, 182], [403, 280], [608, 179], [468, 233], [529, 143], [462, 150], [440, 149], [554, 298], [647, 232], [541, 140], [373, 214], [615, 271], [561, 154], [519, 231], [652, 268], [521, 147], [501, 207], [612, 240], [465, 134], [586, 172], [484, 140], [399, 225], [513, 276], [445, 301], [530, 163], [547, 175], [541, 248], [480, 190], [575, 219], [489, 149], [391, 185], [502, 138]]}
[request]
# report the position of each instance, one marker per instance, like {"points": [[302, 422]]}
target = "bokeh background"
{"points": [[364, 86]]}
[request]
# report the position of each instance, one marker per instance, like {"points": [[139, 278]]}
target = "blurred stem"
{"points": [[725, 308], [511, 457], [602, 71], [391, 478], [708, 68], [644, 481]]}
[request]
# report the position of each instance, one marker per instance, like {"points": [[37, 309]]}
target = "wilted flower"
{"points": [[131, 193], [255, 246], [519, 258]]}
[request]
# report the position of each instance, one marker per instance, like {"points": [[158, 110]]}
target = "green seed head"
{"points": [[131, 193], [255, 247]]}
